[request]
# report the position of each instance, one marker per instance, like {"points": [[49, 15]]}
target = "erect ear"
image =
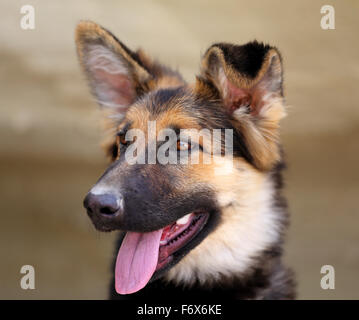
{"points": [[115, 73], [248, 80]]}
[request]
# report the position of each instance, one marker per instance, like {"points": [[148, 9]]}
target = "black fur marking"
{"points": [[160, 100], [246, 59], [112, 151]]}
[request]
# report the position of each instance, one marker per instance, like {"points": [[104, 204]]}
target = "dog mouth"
{"points": [[178, 234], [143, 254]]}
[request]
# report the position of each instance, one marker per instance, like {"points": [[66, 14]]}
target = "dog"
{"points": [[187, 230]]}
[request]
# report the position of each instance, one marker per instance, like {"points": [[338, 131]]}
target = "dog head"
{"points": [[166, 202]]}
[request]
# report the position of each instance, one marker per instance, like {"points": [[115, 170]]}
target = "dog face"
{"points": [[186, 220]]}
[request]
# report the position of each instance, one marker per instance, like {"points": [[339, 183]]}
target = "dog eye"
{"points": [[182, 145], [121, 139]]}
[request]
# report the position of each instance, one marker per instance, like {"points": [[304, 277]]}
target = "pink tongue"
{"points": [[136, 261]]}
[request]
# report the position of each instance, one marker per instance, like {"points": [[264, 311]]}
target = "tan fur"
{"points": [[262, 132]]}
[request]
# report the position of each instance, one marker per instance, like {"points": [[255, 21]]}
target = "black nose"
{"points": [[103, 205]]}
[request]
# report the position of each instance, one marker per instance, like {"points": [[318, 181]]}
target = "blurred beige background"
{"points": [[50, 133]]}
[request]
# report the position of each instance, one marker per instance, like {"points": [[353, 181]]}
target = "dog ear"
{"points": [[115, 73], [248, 81]]}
